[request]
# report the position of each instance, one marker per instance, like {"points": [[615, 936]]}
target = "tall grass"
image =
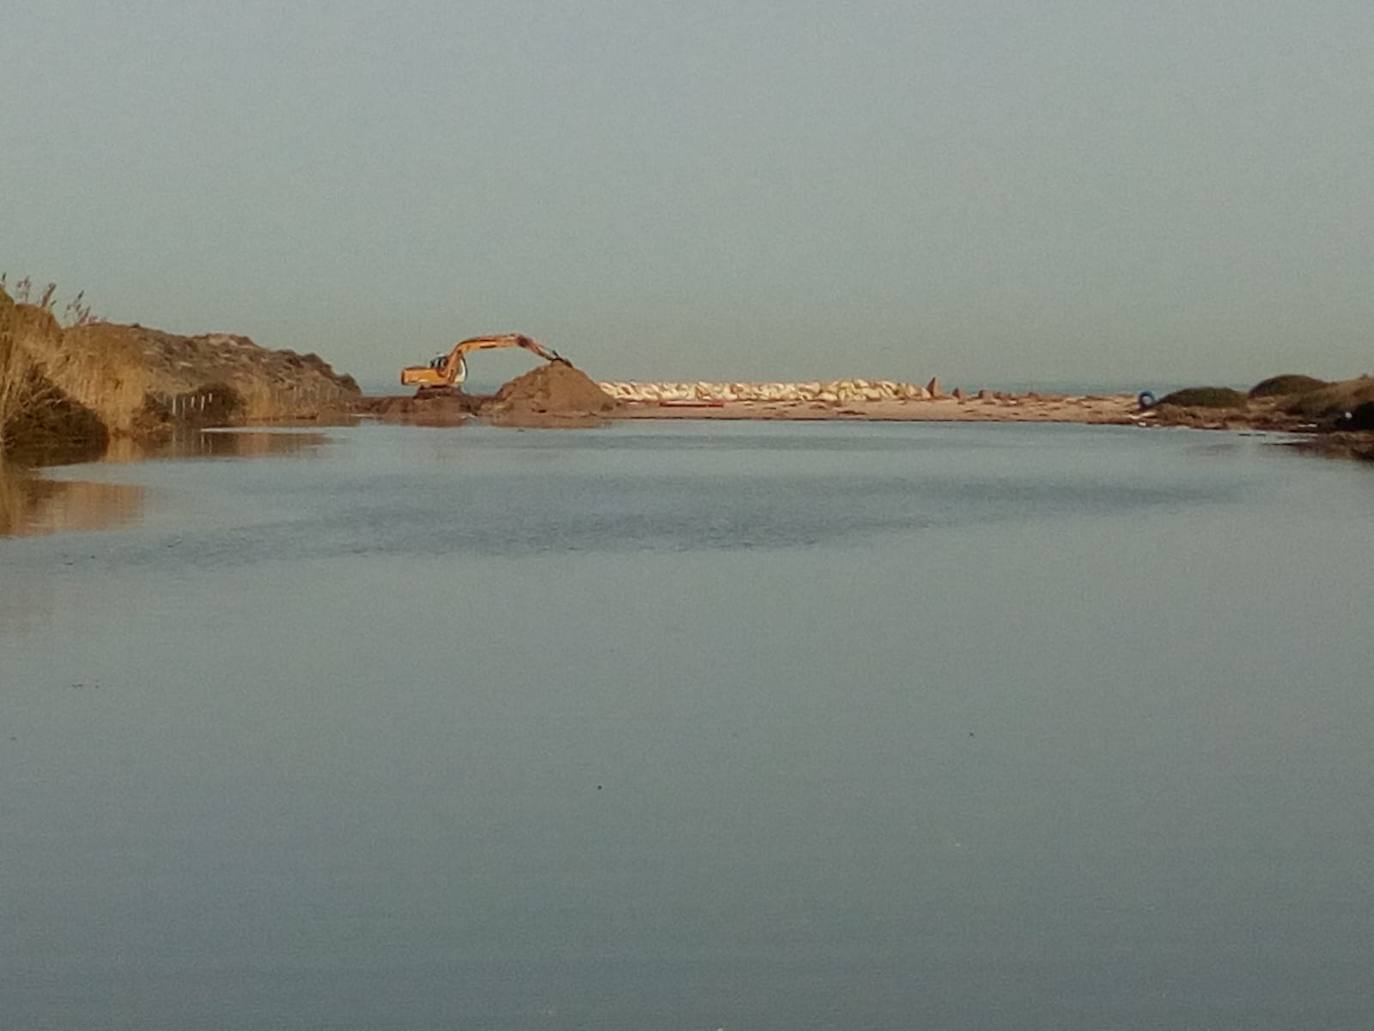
{"points": [[25, 379], [22, 386], [76, 312]]}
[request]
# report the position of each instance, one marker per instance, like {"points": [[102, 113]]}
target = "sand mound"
{"points": [[555, 389]]}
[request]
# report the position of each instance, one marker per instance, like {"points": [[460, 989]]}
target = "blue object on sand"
{"points": [[1146, 400]]}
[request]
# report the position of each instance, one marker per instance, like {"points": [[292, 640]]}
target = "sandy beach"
{"points": [[1120, 410], [559, 395]]}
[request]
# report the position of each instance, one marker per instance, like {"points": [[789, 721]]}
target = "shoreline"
{"points": [[71, 391], [1262, 416], [454, 410], [1117, 410]]}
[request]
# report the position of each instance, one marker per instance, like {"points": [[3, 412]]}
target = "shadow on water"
{"points": [[31, 506]]}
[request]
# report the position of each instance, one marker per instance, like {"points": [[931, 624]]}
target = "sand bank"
{"points": [[991, 408]]}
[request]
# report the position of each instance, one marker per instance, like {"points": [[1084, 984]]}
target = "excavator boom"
{"points": [[450, 370]]}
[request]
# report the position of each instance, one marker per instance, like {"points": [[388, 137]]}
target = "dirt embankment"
{"points": [[139, 382], [137, 378]]}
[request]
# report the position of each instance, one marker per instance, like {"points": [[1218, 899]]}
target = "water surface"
{"points": [[695, 726]]}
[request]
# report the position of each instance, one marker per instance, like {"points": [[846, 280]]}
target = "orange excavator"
{"points": [[447, 372]]}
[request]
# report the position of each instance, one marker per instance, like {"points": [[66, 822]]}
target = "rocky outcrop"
{"points": [[829, 392]]}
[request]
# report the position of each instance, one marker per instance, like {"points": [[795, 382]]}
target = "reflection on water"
{"points": [[245, 444], [31, 506], [220, 443]]}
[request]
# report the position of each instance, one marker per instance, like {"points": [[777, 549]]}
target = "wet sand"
{"points": [[1104, 410], [1095, 410], [1113, 410]]}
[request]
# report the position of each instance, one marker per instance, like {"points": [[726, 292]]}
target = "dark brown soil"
{"points": [[57, 431], [435, 410]]}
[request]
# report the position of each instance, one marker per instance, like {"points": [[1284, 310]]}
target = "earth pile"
{"points": [[555, 391]]}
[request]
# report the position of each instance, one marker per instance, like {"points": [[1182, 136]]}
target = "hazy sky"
{"points": [[991, 191]]}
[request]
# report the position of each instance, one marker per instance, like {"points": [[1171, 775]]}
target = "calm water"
{"points": [[697, 727]]}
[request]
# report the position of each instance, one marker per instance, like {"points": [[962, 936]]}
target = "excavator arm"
{"points": [[451, 370]]}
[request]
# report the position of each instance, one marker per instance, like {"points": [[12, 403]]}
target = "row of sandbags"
{"points": [[833, 390]]}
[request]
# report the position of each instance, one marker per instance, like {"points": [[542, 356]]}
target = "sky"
{"points": [[991, 192]]}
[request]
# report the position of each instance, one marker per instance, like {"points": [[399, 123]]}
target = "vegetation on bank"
{"points": [[1205, 397], [1338, 416], [1301, 398], [23, 388], [1332, 400], [16, 371], [39, 421], [1286, 385]]}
